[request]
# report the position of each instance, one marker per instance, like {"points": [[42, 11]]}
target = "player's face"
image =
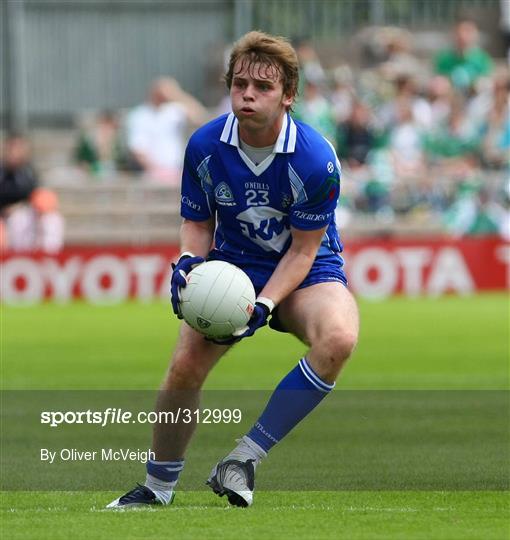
{"points": [[257, 97]]}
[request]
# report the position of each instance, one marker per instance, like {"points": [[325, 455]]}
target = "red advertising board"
{"points": [[375, 268], [428, 267]]}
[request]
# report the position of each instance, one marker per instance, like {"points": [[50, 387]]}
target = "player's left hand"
{"points": [[258, 319]]}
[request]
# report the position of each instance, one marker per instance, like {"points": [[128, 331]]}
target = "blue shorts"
{"points": [[259, 269]]}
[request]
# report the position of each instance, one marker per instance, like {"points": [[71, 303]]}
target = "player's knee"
{"points": [[337, 345]]}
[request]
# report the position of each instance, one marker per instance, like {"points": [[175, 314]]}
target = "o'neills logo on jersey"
{"points": [[265, 226], [223, 195]]}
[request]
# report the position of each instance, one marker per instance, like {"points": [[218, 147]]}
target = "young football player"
{"points": [[262, 189]]}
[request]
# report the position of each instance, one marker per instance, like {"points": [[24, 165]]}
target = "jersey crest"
{"points": [[223, 195]]}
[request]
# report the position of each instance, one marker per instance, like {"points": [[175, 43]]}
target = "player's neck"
{"points": [[261, 138]]}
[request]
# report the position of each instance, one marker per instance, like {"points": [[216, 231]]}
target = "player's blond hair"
{"points": [[275, 51]]}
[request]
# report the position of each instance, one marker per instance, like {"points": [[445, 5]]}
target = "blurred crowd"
{"points": [[426, 139], [29, 215], [150, 140]]}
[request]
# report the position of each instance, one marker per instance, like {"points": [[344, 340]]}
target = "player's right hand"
{"points": [[258, 319], [186, 263]]}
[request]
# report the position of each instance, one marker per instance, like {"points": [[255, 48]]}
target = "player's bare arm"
{"points": [[294, 265], [197, 236], [196, 240]]}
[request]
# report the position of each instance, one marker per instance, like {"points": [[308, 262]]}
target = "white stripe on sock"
{"points": [[313, 378]]}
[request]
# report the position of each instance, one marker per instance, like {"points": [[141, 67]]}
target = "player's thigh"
{"points": [[320, 310]]}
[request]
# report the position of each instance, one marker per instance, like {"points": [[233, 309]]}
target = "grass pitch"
{"points": [[449, 343], [318, 515]]}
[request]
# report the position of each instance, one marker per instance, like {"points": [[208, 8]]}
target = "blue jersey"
{"points": [[297, 185]]}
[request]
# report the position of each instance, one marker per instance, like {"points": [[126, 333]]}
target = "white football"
{"points": [[218, 299]]}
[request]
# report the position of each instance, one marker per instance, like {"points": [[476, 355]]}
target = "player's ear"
{"points": [[287, 101]]}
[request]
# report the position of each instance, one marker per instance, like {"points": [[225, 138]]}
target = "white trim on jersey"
{"points": [[296, 185], [334, 151], [285, 143], [257, 170], [228, 129]]}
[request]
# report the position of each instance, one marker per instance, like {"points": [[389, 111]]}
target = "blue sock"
{"points": [[298, 393]]}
